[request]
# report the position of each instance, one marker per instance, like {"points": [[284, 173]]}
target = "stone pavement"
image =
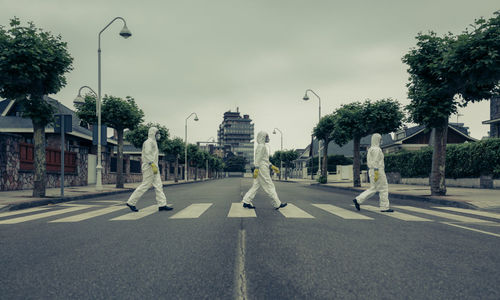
{"points": [[483, 199]]}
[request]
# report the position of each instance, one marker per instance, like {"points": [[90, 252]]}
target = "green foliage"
{"points": [[235, 164], [462, 160], [322, 179], [32, 64], [140, 134], [174, 148], [324, 130], [286, 156]]}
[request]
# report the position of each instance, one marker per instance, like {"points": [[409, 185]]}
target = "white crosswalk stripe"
{"points": [[471, 212], [193, 211], [343, 213], [444, 215], [238, 211], [44, 215], [292, 211], [143, 212], [396, 214], [22, 211], [89, 215]]}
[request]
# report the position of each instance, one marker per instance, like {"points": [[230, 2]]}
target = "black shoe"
{"points": [[388, 210], [132, 208], [247, 205], [281, 205], [356, 204], [165, 208]]}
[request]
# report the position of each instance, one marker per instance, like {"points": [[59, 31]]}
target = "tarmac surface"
{"points": [[472, 198]]}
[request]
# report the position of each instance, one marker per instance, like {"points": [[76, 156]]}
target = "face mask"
{"points": [[158, 136]]}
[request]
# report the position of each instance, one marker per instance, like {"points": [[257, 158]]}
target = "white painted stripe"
{"points": [[396, 214], [22, 211], [343, 213], [472, 229], [444, 215], [292, 211], [143, 212], [472, 212], [240, 288], [43, 215], [238, 211], [89, 215], [193, 211], [2, 206]]}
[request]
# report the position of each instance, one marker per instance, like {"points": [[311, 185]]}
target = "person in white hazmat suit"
{"points": [[378, 180], [261, 175], [150, 174]]}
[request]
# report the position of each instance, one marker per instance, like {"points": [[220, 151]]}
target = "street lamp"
{"points": [[80, 100], [281, 162], [186, 145], [305, 98], [125, 33]]}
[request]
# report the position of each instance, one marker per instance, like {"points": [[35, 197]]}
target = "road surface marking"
{"points": [[343, 213], [143, 212], [193, 211], [44, 215], [89, 215], [396, 214], [22, 211], [292, 211], [472, 229], [444, 215], [241, 280], [472, 212], [238, 211]]}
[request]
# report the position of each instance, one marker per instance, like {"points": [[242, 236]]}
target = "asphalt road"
{"points": [[271, 256]]}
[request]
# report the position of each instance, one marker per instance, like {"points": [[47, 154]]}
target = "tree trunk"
{"points": [[176, 170], [356, 163], [39, 181], [324, 170], [437, 178], [119, 160]]}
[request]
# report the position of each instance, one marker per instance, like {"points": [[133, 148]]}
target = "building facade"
{"points": [[235, 135], [494, 120]]}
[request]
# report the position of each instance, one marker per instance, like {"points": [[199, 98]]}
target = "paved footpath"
{"points": [[473, 198]]}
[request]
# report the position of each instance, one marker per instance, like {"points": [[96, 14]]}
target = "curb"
{"points": [[56, 200], [452, 203]]}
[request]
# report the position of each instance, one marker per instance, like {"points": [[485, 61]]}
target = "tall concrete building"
{"points": [[236, 135]]}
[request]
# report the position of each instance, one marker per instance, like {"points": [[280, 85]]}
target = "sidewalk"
{"points": [[13, 200], [484, 199]]}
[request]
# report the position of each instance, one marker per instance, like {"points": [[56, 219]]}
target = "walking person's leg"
{"points": [[160, 196], [248, 198], [268, 187], [147, 179], [368, 193], [383, 193]]}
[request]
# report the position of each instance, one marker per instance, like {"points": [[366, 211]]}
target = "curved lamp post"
{"points": [[281, 162], [79, 99], [305, 98], [125, 33], [185, 144]]}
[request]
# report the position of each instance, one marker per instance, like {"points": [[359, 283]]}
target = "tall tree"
{"points": [[356, 120], [117, 113], [175, 147], [449, 72], [288, 156], [32, 64], [324, 131]]}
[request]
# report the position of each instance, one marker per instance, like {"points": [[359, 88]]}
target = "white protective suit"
{"points": [[149, 156], [261, 162], [375, 160]]}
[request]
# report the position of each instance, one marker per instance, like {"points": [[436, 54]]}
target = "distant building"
{"points": [[416, 138], [235, 136], [494, 120]]}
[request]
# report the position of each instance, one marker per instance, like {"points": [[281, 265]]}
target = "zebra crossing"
{"points": [[73, 213]]}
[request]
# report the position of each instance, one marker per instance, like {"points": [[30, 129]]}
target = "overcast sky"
{"points": [[213, 56]]}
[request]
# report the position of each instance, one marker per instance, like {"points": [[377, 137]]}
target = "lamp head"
{"points": [[305, 97], [196, 118], [125, 32], [274, 131], [79, 100]]}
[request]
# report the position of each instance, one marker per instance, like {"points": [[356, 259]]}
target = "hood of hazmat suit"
{"points": [[150, 149], [261, 153], [375, 156]]}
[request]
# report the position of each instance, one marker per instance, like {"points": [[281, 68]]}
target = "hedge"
{"points": [[469, 160]]}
